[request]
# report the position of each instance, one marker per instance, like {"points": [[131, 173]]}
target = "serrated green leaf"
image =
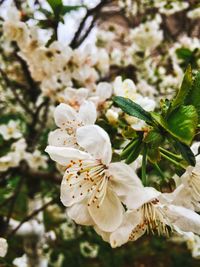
{"points": [[182, 123], [133, 109], [183, 91], [194, 95]]}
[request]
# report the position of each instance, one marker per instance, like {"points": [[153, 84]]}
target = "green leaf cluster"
{"points": [[175, 124]]}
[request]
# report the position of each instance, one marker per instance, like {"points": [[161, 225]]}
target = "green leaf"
{"points": [[182, 123], [186, 153], [184, 53], [133, 109], [194, 96], [153, 138], [183, 91], [56, 5], [67, 9], [135, 152]]}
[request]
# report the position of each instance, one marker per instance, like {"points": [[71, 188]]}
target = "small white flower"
{"points": [[13, 158], [10, 130], [148, 35], [102, 93], [124, 88], [112, 115], [16, 31], [73, 97], [3, 247], [171, 7], [36, 160], [69, 120], [194, 14]]}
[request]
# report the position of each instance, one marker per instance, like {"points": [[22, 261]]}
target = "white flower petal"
{"points": [[63, 114], [121, 235], [104, 90], [61, 138], [95, 141], [79, 213], [124, 182], [88, 113], [143, 195], [110, 213], [105, 235], [63, 155], [67, 193], [185, 219]]}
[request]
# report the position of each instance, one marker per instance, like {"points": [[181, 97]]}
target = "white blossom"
{"points": [[3, 247], [10, 130]]}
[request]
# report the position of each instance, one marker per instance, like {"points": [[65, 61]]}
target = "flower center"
{"points": [[71, 125], [88, 178]]}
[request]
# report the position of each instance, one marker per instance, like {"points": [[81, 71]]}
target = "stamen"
{"points": [[152, 221]]}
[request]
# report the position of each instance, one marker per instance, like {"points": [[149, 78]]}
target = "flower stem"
{"points": [[159, 171], [173, 161], [170, 154], [144, 163]]}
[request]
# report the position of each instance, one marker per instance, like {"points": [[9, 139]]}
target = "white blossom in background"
{"points": [[194, 14], [89, 250], [36, 160], [169, 8], [148, 35], [10, 130], [14, 157], [3, 247]]}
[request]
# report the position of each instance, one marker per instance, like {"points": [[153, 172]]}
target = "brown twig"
{"points": [[30, 216], [19, 100], [77, 39]]}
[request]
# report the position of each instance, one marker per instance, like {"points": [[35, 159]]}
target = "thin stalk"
{"points": [[173, 161], [159, 171], [144, 164], [170, 154]]}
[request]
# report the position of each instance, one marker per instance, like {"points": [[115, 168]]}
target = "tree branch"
{"points": [[30, 216], [77, 40]]}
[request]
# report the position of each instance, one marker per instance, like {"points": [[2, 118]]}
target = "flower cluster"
{"points": [[109, 195]]}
